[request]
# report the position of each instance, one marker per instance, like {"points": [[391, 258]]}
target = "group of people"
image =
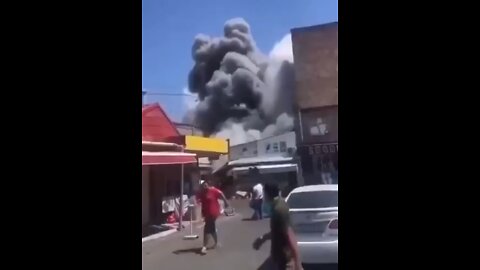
{"points": [[283, 242]]}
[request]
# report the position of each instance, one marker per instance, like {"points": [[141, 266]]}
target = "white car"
{"points": [[314, 218]]}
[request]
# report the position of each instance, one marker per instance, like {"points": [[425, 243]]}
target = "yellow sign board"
{"points": [[212, 145]]}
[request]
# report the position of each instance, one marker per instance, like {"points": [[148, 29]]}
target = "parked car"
{"points": [[314, 217]]}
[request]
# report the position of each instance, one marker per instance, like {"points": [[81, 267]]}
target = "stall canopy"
{"points": [[167, 158]]}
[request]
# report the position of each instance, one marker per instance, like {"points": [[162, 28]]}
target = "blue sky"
{"points": [[169, 28]]}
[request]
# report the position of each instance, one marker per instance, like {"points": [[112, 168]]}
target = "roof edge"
{"points": [[149, 107], [313, 27]]}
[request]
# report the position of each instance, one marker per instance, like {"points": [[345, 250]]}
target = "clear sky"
{"points": [[169, 28]]}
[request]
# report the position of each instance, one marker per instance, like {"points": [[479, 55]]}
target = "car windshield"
{"points": [[314, 199]]}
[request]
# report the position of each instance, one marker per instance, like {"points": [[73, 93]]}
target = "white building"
{"points": [[270, 159]]}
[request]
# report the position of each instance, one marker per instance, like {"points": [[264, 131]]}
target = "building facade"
{"points": [[266, 160], [169, 156], [315, 51]]}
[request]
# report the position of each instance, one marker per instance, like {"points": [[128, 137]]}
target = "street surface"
{"points": [[236, 235]]}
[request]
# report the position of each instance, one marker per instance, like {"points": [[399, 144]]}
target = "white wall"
{"points": [[271, 146], [276, 145], [243, 150], [145, 195], [221, 161]]}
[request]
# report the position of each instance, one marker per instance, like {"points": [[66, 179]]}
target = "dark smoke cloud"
{"points": [[240, 90]]}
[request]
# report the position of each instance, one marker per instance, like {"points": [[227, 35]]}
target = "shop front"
{"points": [[172, 165], [281, 172], [163, 176], [318, 145], [319, 163], [267, 160]]}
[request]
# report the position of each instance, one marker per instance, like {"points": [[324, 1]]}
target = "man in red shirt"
{"points": [[208, 197]]}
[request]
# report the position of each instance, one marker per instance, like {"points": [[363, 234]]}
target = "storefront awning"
{"points": [[263, 169], [166, 158], [260, 160], [251, 162]]}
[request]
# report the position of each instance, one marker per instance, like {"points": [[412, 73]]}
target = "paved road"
{"points": [[235, 235], [236, 253]]}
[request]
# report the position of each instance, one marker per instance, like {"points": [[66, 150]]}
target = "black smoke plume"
{"points": [[241, 92]]}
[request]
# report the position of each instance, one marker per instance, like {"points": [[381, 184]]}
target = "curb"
{"points": [[171, 231], [158, 235]]}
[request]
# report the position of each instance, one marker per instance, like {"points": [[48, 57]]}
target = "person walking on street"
{"points": [[283, 241], [257, 201], [208, 197]]}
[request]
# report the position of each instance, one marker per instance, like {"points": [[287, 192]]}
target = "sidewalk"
{"points": [[197, 226], [153, 241], [236, 236], [174, 228], [173, 237]]}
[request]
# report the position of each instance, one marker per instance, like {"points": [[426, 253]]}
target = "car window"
{"points": [[313, 199]]}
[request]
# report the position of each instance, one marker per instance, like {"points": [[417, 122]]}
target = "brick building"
{"points": [[315, 51]]}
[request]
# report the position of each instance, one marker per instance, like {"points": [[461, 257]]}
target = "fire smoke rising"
{"points": [[242, 94]]}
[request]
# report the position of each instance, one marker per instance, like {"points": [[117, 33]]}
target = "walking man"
{"points": [[208, 197], [283, 241], [257, 201]]}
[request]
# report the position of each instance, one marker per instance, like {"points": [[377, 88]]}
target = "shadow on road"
{"points": [[188, 250], [269, 265], [249, 219], [266, 265]]}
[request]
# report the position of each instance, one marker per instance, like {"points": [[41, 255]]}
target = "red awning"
{"points": [[165, 158]]}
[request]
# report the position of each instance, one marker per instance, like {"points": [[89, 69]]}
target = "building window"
{"points": [[283, 147], [275, 147]]}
